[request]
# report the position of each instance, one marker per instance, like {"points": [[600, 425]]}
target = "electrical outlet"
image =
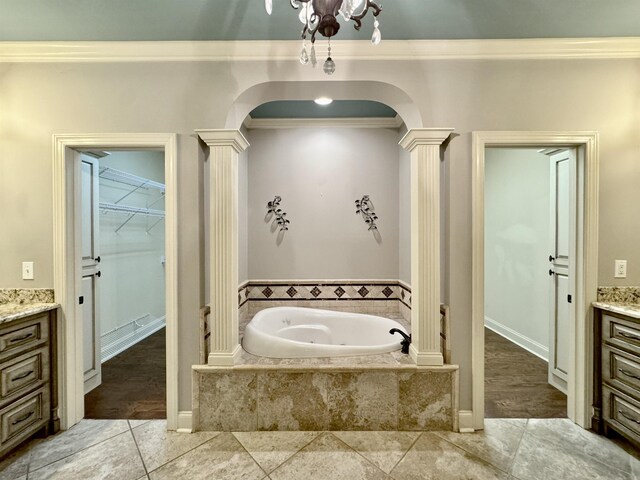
{"points": [[620, 270], [27, 270]]}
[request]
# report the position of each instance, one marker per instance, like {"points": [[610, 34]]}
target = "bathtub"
{"points": [[294, 332]]}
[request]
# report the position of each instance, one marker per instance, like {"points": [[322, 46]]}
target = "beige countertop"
{"points": [[14, 311], [629, 309]]}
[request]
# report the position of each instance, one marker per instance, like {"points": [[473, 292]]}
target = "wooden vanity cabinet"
{"points": [[28, 396], [617, 375]]}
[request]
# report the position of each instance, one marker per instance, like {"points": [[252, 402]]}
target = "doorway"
{"points": [[68, 268], [579, 352], [529, 254], [123, 278]]}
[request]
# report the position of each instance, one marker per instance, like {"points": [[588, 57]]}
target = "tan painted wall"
{"points": [[37, 100]]}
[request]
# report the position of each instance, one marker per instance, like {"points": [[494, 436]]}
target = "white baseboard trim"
{"points": [[465, 421], [185, 422], [124, 337], [531, 346]]}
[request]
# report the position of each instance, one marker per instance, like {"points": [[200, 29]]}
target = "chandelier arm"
{"points": [[295, 3], [357, 19]]}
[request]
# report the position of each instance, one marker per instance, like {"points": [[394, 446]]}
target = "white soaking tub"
{"points": [[295, 332]]}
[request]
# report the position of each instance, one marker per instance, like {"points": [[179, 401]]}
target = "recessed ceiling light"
{"points": [[323, 100]]}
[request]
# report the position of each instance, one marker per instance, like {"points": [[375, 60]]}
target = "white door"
{"points": [[563, 182], [90, 274]]}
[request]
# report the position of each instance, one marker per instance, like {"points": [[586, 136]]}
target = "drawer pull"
{"points": [[27, 335], [21, 376], [629, 335], [621, 412], [22, 418], [627, 373]]}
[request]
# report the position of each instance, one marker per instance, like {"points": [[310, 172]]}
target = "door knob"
{"points": [[98, 274], [551, 272], [551, 258]]}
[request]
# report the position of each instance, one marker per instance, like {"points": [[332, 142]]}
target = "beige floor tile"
{"points": [[327, 458], [137, 423], [16, 464], [541, 459], [565, 433], [113, 459], [432, 458], [383, 449], [158, 446], [496, 444], [271, 449], [223, 457], [80, 436]]}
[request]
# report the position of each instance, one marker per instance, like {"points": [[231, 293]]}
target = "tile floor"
{"points": [[141, 450]]}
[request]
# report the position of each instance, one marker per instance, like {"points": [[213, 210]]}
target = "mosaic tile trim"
{"points": [[24, 296], [619, 294], [322, 290]]}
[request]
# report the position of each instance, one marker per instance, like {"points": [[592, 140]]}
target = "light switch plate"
{"points": [[620, 269], [27, 270]]}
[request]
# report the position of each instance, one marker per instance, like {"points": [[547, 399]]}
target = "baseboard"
{"points": [[529, 345], [122, 338], [185, 422], [465, 421]]}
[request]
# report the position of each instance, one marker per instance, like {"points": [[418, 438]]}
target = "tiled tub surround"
{"points": [[325, 396], [16, 303]]}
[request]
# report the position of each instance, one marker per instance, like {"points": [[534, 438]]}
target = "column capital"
{"points": [[424, 136], [224, 137]]}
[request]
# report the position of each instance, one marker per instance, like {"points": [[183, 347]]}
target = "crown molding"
{"points": [[251, 50], [370, 122]]}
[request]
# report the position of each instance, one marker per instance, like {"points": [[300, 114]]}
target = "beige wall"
{"points": [[319, 173], [37, 100]]}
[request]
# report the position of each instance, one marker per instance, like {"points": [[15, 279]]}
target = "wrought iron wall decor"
{"points": [[273, 208], [364, 207]]}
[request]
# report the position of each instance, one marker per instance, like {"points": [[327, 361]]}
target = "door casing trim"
{"points": [[580, 393], [67, 268]]}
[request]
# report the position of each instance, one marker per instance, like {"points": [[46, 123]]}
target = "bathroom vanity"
{"points": [[28, 396], [617, 370]]}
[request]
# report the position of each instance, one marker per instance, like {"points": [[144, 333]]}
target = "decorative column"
{"points": [[424, 146], [224, 147]]}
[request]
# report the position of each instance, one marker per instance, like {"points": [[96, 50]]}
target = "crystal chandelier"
{"points": [[321, 16]]}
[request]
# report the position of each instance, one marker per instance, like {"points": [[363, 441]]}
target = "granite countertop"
{"points": [[629, 309], [14, 311]]}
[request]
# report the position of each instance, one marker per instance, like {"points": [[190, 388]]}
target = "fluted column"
{"points": [[224, 147], [424, 146]]}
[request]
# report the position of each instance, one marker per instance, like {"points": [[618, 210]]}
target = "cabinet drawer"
{"points": [[24, 416], [620, 332], [621, 411], [22, 336], [23, 373]]}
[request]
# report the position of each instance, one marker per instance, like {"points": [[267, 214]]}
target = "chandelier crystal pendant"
{"points": [[320, 16]]}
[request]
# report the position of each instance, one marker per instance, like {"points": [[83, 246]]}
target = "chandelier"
{"points": [[320, 16]]}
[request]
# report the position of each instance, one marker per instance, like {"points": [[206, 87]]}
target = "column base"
{"points": [[431, 359], [224, 359]]}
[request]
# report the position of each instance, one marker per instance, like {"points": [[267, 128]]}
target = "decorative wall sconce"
{"points": [[273, 209], [364, 207]]}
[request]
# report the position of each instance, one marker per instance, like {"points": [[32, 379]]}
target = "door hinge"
{"points": [[569, 298], [80, 300]]}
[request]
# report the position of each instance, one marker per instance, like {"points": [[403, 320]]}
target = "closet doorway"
{"points": [[529, 242], [68, 265], [583, 287], [123, 278]]}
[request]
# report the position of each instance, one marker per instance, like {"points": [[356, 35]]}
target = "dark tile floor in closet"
{"points": [[516, 384], [133, 383]]}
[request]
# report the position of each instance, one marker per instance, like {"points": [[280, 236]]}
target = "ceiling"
{"points": [[308, 109], [82, 20]]}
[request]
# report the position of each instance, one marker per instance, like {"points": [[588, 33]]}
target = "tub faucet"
{"points": [[406, 342]]}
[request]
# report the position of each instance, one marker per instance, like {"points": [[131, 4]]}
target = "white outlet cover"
{"points": [[620, 270]]}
